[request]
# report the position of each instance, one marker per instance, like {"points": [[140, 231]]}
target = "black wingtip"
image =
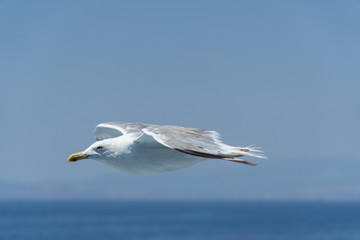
{"points": [[243, 161]]}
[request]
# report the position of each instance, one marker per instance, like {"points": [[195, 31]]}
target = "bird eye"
{"points": [[99, 148]]}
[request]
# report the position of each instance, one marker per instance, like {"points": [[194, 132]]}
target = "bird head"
{"points": [[98, 150]]}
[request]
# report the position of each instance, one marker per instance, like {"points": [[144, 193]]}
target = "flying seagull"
{"points": [[139, 148]]}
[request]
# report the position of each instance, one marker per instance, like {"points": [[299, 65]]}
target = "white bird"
{"points": [[148, 149]]}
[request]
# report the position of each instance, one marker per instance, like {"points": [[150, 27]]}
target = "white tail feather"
{"points": [[250, 151]]}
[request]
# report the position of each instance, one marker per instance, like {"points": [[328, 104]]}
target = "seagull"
{"points": [[138, 148]]}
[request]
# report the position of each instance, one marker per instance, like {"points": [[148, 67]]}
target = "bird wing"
{"points": [[116, 129], [192, 141]]}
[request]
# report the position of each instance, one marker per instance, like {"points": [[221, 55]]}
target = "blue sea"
{"points": [[179, 220]]}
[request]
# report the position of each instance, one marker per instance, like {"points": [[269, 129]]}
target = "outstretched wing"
{"points": [[116, 129], [193, 141], [199, 142]]}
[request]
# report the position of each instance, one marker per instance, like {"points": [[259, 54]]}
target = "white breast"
{"points": [[142, 158]]}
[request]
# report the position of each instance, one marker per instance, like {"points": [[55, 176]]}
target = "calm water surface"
{"points": [[179, 220]]}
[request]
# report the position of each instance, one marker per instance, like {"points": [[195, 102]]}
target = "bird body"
{"points": [[149, 149], [138, 157]]}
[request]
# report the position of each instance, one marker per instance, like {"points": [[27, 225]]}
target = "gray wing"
{"points": [[192, 141], [116, 129]]}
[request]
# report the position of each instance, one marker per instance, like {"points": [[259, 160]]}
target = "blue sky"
{"points": [[281, 75]]}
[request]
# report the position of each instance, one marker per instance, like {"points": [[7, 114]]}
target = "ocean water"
{"points": [[179, 220]]}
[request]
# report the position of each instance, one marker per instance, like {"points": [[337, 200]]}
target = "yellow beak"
{"points": [[77, 156]]}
